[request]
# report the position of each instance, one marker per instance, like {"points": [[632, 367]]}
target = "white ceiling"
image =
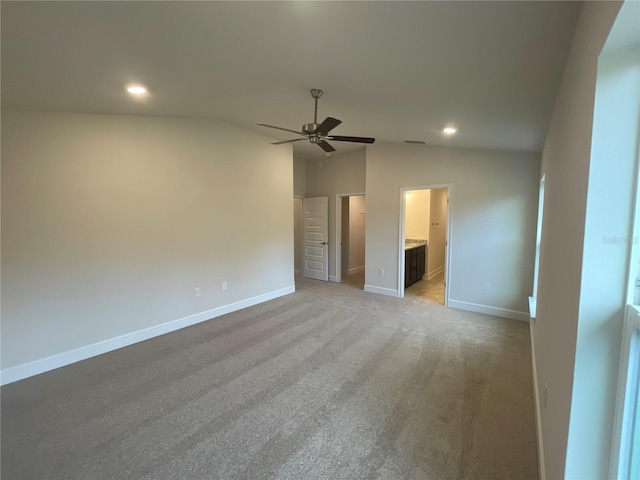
{"points": [[392, 70]]}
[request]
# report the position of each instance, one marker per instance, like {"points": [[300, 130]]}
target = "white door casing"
{"points": [[315, 235]]}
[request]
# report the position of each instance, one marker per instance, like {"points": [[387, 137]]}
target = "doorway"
{"points": [[350, 239], [424, 242], [297, 235]]}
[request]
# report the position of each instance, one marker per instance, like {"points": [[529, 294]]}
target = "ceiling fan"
{"points": [[319, 133]]}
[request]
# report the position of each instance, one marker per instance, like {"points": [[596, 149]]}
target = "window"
{"points": [[628, 458], [532, 299]]}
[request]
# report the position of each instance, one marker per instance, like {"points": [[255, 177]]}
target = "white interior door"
{"points": [[315, 234]]}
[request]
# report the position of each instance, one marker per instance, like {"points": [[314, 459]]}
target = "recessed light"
{"points": [[449, 130], [136, 90]]}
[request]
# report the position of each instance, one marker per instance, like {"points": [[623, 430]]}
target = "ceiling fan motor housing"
{"points": [[310, 127]]}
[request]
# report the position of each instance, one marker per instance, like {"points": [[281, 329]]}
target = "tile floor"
{"points": [[432, 290]]}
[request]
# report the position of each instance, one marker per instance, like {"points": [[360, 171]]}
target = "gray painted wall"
{"points": [[582, 279], [109, 223], [330, 176], [493, 205]]}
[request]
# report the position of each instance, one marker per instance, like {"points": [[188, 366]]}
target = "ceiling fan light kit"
{"points": [[318, 134]]}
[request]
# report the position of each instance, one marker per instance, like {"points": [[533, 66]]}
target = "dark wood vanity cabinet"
{"points": [[414, 264]]}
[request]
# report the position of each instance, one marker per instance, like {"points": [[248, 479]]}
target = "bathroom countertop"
{"points": [[413, 244]]}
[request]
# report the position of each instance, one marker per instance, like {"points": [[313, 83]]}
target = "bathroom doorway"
{"points": [[424, 246]]}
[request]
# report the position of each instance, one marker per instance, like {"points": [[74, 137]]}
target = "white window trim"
{"points": [[627, 402]]}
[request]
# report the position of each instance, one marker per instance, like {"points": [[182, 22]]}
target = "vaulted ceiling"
{"points": [[391, 70]]}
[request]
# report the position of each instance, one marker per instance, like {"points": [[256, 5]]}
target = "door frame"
{"points": [[401, 235], [338, 240]]}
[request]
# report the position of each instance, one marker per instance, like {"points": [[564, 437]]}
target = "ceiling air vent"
{"points": [[415, 142]]}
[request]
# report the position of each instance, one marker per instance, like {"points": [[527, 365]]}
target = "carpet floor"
{"points": [[327, 383]]}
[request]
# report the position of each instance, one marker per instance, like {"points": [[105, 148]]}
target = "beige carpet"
{"points": [[328, 383]]}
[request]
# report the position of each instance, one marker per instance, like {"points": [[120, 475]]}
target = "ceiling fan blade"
{"points": [[280, 128], [288, 141], [340, 138], [326, 147], [327, 125]]}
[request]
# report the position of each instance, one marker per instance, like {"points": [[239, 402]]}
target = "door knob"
{"points": [[323, 243]]}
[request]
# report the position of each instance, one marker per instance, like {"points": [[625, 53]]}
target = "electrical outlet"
{"points": [[224, 285], [487, 285], [381, 272], [198, 291]]}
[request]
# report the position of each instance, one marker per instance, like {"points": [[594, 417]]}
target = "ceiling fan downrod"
{"points": [[316, 94]]}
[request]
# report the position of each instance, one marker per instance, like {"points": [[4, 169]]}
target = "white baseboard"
{"points": [[333, 278], [495, 311], [25, 370], [435, 272], [381, 290], [536, 397], [355, 270]]}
